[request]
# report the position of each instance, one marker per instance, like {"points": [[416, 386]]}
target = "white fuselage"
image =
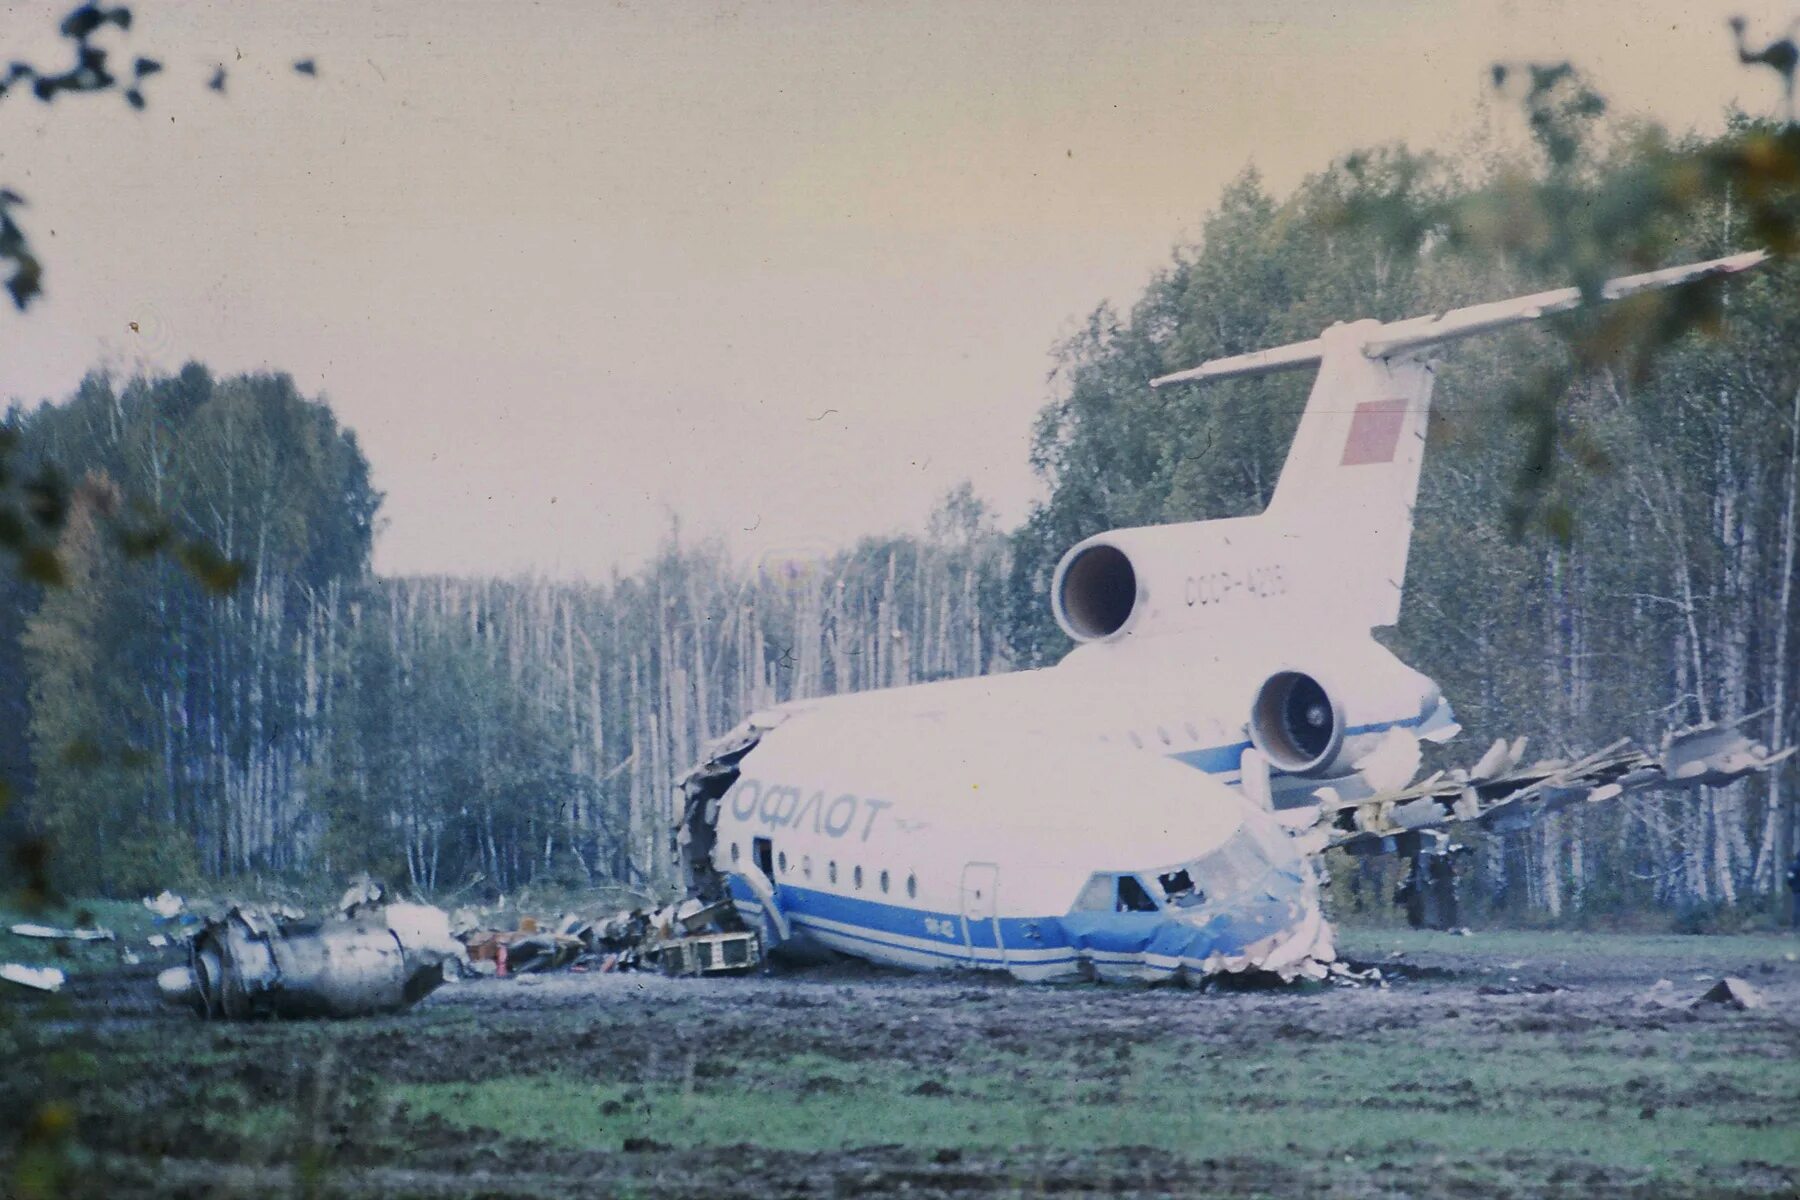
{"points": [[925, 843]]}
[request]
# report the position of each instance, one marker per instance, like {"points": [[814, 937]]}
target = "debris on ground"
{"points": [[165, 906], [1356, 974], [1732, 992], [377, 954], [43, 979], [526, 950], [363, 893], [49, 933], [260, 962], [691, 937], [704, 954]]}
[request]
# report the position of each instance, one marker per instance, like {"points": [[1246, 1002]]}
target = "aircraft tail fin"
{"points": [[1347, 490]]}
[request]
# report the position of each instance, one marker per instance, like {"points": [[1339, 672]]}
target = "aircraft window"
{"points": [[781, 862], [1106, 892], [1136, 740], [831, 870], [1193, 733], [806, 866], [912, 887], [884, 883], [1178, 888], [856, 878], [1163, 734], [1242, 863], [734, 852], [1097, 894], [1133, 897]]}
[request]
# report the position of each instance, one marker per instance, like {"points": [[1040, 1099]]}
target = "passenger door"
{"points": [[981, 913]]}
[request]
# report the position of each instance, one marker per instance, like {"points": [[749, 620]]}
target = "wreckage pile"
{"points": [[375, 955], [689, 938]]}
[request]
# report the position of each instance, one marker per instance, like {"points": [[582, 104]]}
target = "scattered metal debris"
{"points": [[49, 933], [708, 954], [166, 906], [43, 979], [362, 894], [679, 939], [526, 950], [1732, 992]]}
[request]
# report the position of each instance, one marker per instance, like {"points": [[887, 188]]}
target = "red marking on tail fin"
{"points": [[1374, 432]]}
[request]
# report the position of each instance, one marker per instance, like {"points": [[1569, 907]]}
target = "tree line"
{"points": [[320, 720], [317, 719]]}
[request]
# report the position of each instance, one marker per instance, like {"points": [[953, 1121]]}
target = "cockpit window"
{"points": [[1133, 897], [1106, 892], [1178, 887], [1242, 863], [1097, 894]]}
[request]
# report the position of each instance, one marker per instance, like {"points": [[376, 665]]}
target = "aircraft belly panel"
{"points": [[1111, 946]]}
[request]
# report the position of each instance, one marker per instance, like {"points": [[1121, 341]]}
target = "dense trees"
{"points": [[315, 719], [160, 716]]}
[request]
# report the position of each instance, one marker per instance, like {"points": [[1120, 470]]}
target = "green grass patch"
{"points": [[1536, 1097], [129, 920], [1698, 950]]}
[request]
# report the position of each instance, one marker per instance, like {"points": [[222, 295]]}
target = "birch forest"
{"points": [[319, 720]]}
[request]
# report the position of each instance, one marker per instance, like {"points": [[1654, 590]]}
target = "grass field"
{"points": [[1500, 1064]]}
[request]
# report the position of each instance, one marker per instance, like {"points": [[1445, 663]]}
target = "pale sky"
{"points": [[787, 271]]}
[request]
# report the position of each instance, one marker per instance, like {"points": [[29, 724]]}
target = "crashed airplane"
{"points": [[1151, 807]]}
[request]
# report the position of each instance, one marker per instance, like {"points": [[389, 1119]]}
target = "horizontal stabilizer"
{"points": [[1418, 332], [1382, 341], [1262, 362]]}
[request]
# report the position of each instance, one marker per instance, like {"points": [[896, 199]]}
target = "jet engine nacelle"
{"points": [[1298, 725], [1189, 578]]}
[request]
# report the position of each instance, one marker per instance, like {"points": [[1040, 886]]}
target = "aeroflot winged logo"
{"points": [[782, 806]]}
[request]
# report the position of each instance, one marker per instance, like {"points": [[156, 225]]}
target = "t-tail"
{"points": [[1331, 547]]}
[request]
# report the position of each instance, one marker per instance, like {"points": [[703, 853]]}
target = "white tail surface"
{"points": [[1347, 490], [1342, 512]]}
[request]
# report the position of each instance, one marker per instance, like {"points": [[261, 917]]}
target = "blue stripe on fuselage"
{"points": [[1218, 760], [1031, 942]]}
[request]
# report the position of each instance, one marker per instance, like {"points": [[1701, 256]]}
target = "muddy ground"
{"points": [[1493, 1065]]}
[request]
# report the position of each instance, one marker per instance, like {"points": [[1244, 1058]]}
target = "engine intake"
{"points": [[1095, 591], [1296, 724]]}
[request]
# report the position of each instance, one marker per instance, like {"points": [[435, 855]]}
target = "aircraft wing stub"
{"points": [[1499, 792]]}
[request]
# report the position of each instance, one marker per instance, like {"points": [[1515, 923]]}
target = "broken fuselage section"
{"points": [[928, 847]]}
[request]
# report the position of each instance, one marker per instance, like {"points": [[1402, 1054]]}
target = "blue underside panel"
{"points": [[1158, 941]]}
